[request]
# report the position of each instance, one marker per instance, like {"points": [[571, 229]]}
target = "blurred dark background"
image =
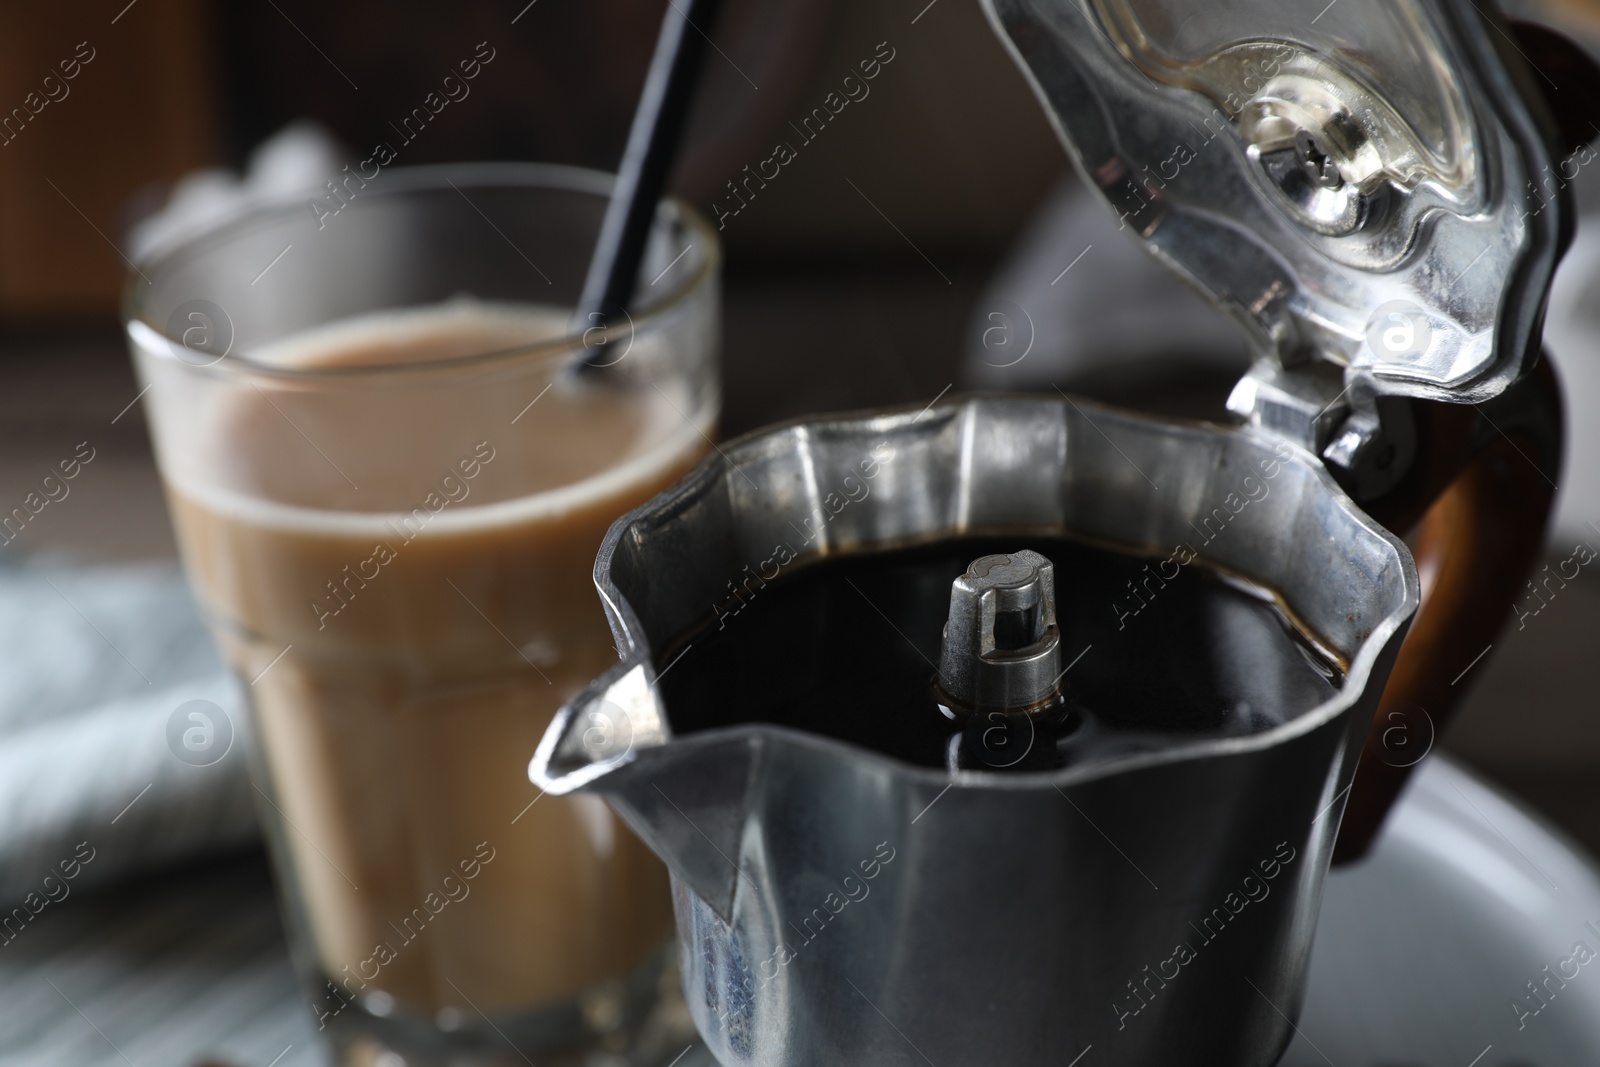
{"points": [[948, 144]]}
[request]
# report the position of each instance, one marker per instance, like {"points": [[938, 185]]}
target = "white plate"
{"points": [[1424, 948]]}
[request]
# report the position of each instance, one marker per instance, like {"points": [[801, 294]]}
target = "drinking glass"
{"points": [[389, 484]]}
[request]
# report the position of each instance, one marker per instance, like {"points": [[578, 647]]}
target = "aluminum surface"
{"points": [[1296, 174], [838, 906]]}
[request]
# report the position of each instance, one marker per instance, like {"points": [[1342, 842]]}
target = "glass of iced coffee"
{"points": [[389, 484]]}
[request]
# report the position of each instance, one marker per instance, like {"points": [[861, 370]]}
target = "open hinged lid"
{"points": [[1354, 181]]}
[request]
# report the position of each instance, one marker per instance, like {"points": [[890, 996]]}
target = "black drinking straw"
{"points": [[652, 147]]}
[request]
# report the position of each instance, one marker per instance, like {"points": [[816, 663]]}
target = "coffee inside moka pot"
{"points": [[1137, 653]]}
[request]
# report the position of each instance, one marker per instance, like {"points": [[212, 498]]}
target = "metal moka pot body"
{"points": [[836, 905]]}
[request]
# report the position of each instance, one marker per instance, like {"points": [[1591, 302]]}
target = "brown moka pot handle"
{"points": [[1478, 500]]}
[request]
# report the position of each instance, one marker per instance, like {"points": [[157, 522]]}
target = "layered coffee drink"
{"points": [[403, 578]]}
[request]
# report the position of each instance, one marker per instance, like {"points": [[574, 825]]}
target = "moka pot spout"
{"points": [[685, 798]]}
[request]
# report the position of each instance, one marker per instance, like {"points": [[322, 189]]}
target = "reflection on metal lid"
{"points": [[1374, 72], [1312, 166]]}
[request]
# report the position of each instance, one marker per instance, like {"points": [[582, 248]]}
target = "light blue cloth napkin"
{"points": [[94, 780]]}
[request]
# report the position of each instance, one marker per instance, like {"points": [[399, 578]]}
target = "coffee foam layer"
{"points": [[667, 426], [460, 326], [547, 505]]}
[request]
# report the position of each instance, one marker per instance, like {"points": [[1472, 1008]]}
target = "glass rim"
{"points": [[403, 181]]}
